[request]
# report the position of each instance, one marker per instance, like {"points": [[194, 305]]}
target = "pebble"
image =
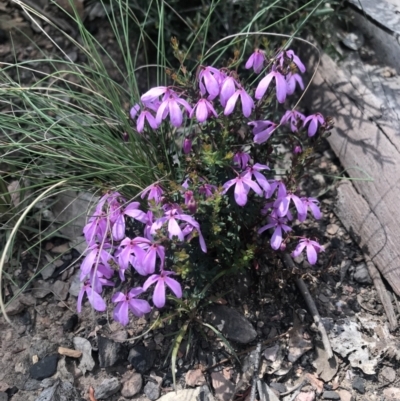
{"points": [[358, 384], [361, 274], [345, 395], [332, 229], [107, 388], [32, 385], [14, 307], [387, 374], [392, 393], [182, 395], [231, 323], [224, 388], [76, 285], [3, 396], [132, 385], [60, 289], [141, 358], [46, 367], [152, 390], [109, 352], [195, 378], [330, 395]]}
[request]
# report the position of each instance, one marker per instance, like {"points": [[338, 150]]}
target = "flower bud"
{"points": [[282, 247], [192, 205], [297, 150], [187, 146]]}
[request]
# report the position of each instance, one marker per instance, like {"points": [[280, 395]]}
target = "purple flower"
{"points": [[314, 120], [242, 188], [171, 106], [312, 204], [97, 255], [126, 302], [154, 191], [94, 298], [241, 159], [260, 178], [312, 249], [228, 88], [171, 216], [96, 228], [256, 61], [203, 109], [131, 210], [278, 224], [277, 185], [283, 202], [207, 190], [281, 86], [146, 115], [187, 146], [161, 281], [133, 111], [262, 130], [291, 80], [247, 103], [292, 57], [208, 82], [153, 94], [294, 117], [297, 150]]}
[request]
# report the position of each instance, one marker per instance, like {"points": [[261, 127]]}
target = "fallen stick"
{"points": [[301, 285], [382, 293], [255, 373]]}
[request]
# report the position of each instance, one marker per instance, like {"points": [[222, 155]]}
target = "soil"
{"points": [[365, 363]]}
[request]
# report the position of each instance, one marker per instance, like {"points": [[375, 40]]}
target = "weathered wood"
{"points": [[366, 139]]}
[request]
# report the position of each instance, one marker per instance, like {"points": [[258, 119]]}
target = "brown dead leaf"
{"points": [[91, 394]]}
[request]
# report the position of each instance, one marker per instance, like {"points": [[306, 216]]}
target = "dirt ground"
{"points": [[293, 363]]}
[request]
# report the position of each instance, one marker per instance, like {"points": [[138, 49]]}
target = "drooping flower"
{"points": [[153, 94], [241, 159], [256, 60], [276, 185], [262, 130], [203, 109], [312, 204], [314, 121], [246, 100], [281, 86], [94, 298], [143, 116], [291, 81], [132, 210], [207, 190], [154, 191], [208, 82], [187, 146], [98, 254], [228, 88], [294, 117], [242, 188], [312, 250], [162, 280], [134, 111], [297, 150], [96, 228], [282, 204], [278, 224], [171, 106], [260, 178], [126, 302], [290, 54]]}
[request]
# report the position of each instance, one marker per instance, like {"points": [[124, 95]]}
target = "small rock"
{"points": [[298, 344], [60, 391], [195, 378], [182, 395], [158, 339], [107, 388], [271, 353], [332, 229], [358, 384], [361, 274], [345, 395], [231, 324], [14, 307], [87, 361], [205, 394], [353, 40], [44, 368], [308, 396], [326, 368], [392, 393], [60, 289], [45, 383], [141, 358], [41, 289], [330, 395], [132, 385], [32, 385], [64, 248], [224, 388], [152, 390], [76, 284], [109, 352], [3, 396], [48, 271], [119, 336], [278, 387], [387, 374]]}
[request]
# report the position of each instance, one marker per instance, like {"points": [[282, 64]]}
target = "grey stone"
{"points": [[87, 361], [60, 391], [361, 274], [387, 374], [109, 352], [76, 284], [231, 324], [141, 358], [41, 289], [60, 289], [224, 388], [132, 385], [182, 395], [46, 367], [14, 307], [3, 396], [107, 388], [358, 384], [330, 395], [152, 390], [32, 385]]}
